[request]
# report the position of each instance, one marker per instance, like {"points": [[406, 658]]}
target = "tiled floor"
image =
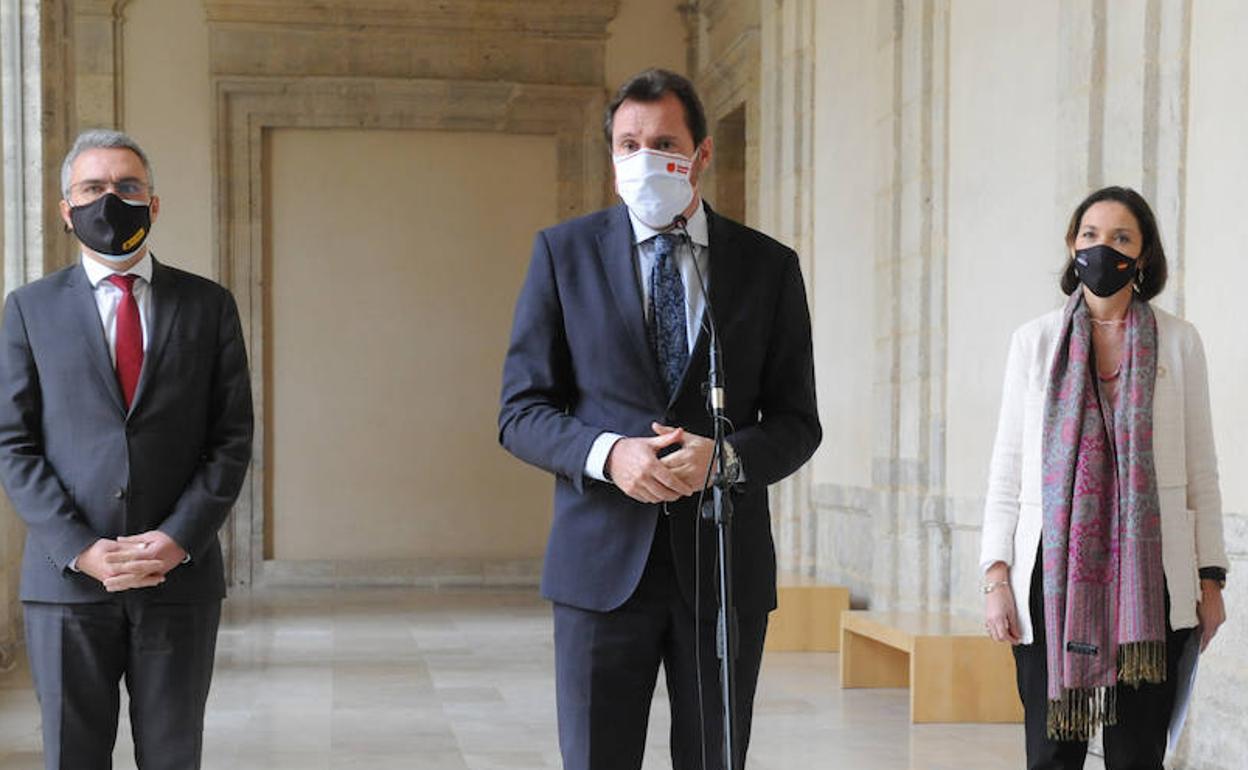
{"points": [[458, 680]]}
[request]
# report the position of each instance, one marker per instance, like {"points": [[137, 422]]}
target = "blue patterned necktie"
{"points": [[668, 332]]}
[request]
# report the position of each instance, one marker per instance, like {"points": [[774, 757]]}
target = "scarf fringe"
{"points": [[1140, 662], [1079, 713]]}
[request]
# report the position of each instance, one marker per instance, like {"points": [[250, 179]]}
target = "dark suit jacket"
{"points": [[580, 364], [78, 467]]}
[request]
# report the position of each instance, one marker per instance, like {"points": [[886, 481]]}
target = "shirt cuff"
{"points": [[596, 460], [988, 558], [73, 565], [1213, 573]]}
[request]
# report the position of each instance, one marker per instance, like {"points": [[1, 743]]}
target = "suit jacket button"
{"points": [[120, 493]]}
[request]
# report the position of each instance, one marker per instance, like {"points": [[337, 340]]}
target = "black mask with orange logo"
{"points": [[112, 227], [1104, 270]]}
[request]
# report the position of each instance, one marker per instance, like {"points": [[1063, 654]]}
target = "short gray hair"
{"points": [[102, 139]]}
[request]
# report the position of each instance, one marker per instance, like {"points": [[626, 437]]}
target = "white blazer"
{"points": [[1183, 450]]}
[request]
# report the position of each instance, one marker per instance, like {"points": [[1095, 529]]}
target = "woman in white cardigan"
{"points": [[1102, 540]]}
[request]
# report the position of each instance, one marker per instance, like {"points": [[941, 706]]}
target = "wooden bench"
{"points": [[954, 671], [807, 617]]}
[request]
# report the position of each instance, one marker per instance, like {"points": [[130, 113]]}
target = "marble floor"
{"points": [[463, 680]]}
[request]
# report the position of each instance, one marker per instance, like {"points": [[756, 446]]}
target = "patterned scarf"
{"points": [[1104, 586]]}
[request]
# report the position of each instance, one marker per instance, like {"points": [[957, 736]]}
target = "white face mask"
{"points": [[655, 185]]}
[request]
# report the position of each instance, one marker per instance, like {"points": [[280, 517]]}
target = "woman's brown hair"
{"points": [[1151, 277]]}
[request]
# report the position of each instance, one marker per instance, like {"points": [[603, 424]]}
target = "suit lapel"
{"points": [[615, 247], [164, 308], [726, 268], [87, 314]]}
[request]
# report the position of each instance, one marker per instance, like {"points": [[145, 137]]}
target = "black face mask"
{"points": [[1104, 270], [111, 227]]}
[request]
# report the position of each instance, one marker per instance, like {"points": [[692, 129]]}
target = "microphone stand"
{"points": [[719, 510]]}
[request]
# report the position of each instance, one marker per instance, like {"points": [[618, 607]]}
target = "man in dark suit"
{"points": [[604, 386], [125, 434]]}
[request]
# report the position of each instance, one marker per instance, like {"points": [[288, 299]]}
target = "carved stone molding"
{"points": [[565, 18], [113, 9], [728, 79], [548, 42], [732, 76], [712, 10], [248, 107]]}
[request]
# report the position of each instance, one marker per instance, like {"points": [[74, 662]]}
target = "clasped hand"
{"points": [[132, 561], [634, 464]]}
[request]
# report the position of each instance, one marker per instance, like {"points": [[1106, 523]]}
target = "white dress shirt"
{"points": [[695, 302], [108, 297]]}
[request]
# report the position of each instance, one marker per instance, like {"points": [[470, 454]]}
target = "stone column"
{"points": [[1167, 74], [785, 211], [911, 536], [35, 81]]}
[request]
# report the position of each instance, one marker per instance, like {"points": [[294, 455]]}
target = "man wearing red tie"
{"points": [[125, 434]]}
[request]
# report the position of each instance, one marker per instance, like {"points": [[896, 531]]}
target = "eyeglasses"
{"points": [[93, 189]]}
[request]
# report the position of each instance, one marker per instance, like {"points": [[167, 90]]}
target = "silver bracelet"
{"points": [[990, 587]]}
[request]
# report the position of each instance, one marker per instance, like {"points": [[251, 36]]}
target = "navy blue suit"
{"points": [[579, 364]]}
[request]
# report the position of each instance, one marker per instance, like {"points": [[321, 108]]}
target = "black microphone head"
{"points": [[679, 221]]}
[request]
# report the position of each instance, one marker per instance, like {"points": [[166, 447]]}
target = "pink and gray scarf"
{"points": [[1104, 586]]}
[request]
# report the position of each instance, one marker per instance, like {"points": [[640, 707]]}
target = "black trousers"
{"points": [[606, 665], [1137, 742], [79, 654]]}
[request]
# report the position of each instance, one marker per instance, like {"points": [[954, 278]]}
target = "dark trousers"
{"points": [[606, 665], [79, 654], [1137, 742]]}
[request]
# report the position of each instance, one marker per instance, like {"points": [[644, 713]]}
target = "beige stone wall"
{"points": [[846, 175], [168, 109], [1212, 293], [394, 267], [645, 33], [992, 245], [850, 169], [784, 203], [528, 70]]}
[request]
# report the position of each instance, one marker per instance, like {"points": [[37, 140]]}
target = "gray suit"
{"points": [[78, 467]]}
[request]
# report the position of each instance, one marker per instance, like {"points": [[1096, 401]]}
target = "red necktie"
{"points": [[129, 346]]}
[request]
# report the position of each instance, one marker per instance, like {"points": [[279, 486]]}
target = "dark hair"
{"points": [[1151, 278], [650, 86]]}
